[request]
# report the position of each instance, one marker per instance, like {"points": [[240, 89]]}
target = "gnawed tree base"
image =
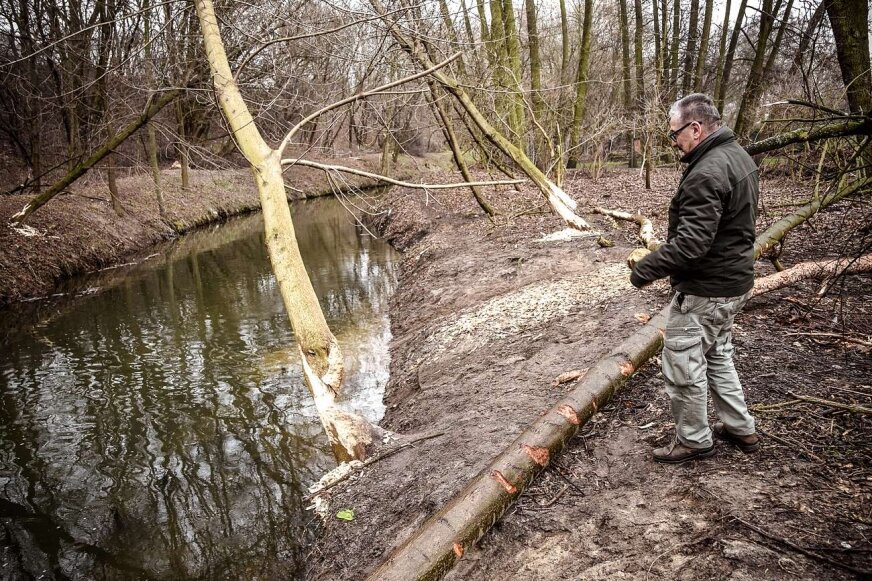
{"points": [[813, 270]]}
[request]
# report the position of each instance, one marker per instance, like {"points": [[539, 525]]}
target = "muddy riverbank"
{"points": [[79, 232], [485, 319]]}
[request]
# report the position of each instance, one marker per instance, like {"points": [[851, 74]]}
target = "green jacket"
{"points": [[710, 246]]}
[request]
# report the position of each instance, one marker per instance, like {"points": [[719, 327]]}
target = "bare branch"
{"points": [[361, 95], [308, 35], [381, 178]]}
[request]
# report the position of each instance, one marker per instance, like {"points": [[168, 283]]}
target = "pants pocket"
{"points": [[683, 359]]}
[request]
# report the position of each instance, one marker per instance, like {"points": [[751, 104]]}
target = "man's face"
{"points": [[685, 135]]}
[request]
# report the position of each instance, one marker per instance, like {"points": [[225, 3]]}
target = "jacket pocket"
{"points": [[683, 360]]}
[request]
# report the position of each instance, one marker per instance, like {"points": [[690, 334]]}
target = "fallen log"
{"points": [[812, 270], [842, 128], [446, 535]]}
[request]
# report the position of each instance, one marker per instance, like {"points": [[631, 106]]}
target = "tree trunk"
{"points": [[719, 68], [457, 154], [703, 47], [539, 155], [627, 92], [812, 270], [564, 42], [323, 369], [444, 538], [754, 87], [151, 139], [183, 148], [731, 53], [640, 65], [467, 24], [82, 167], [112, 183], [776, 232], [673, 50], [500, 65], [773, 53], [807, 135], [452, 35], [581, 86], [806, 37], [513, 48], [658, 63], [849, 20], [690, 52]]}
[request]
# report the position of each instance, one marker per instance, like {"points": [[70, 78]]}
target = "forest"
{"points": [[515, 153]]}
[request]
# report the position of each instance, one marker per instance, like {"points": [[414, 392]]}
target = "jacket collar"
{"points": [[718, 137]]}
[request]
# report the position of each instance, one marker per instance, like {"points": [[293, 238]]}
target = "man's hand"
{"points": [[636, 256]]}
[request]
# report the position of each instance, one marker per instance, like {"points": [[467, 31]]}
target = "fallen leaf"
{"points": [[345, 514], [643, 317]]}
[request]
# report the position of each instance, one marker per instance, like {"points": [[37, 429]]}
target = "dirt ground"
{"points": [[78, 231], [486, 316]]}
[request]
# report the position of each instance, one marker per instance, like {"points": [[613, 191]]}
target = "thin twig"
{"points": [[361, 95], [833, 335], [790, 444], [854, 409], [371, 461]]}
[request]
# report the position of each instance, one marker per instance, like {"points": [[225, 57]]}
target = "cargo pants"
{"points": [[698, 357]]}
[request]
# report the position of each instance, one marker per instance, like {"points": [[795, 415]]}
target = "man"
{"points": [[709, 255]]}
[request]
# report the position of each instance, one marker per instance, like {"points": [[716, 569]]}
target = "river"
{"points": [[156, 426]]}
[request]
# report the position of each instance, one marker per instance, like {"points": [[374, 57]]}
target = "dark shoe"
{"points": [[677, 453], [747, 444]]}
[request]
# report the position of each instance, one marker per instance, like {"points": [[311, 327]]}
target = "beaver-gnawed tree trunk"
{"points": [[323, 369]]}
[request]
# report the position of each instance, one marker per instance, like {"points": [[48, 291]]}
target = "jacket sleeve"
{"points": [[699, 213]]}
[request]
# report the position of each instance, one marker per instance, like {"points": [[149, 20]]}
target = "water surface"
{"points": [[158, 426]]}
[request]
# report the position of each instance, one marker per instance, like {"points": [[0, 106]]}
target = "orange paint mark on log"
{"points": [[539, 455], [498, 476], [627, 368], [458, 550], [570, 414], [643, 317]]}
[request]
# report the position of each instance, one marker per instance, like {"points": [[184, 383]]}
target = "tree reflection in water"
{"points": [[160, 428]]}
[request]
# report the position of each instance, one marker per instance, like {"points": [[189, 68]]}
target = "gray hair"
{"points": [[696, 107]]}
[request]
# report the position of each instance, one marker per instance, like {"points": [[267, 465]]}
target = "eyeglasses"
{"points": [[673, 135]]}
